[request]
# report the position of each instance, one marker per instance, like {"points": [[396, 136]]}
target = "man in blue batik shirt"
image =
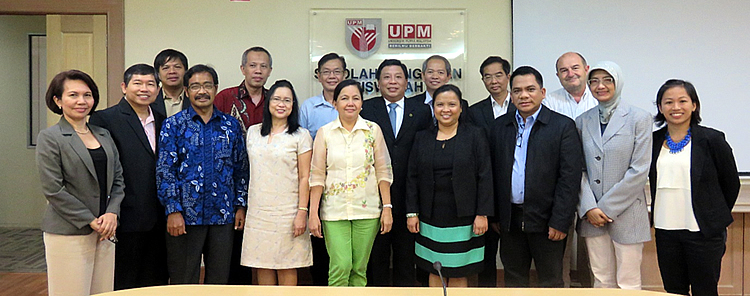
{"points": [[201, 178]]}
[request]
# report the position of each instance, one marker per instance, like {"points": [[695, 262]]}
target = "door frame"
{"points": [[115, 11]]}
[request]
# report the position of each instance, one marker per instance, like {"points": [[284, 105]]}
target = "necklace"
{"points": [[677, 147], [83, 132]]}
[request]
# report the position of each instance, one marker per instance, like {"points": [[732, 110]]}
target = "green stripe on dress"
{"points": [[447, 234], [450, 260]]}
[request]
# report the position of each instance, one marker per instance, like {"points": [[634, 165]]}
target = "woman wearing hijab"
{"points": [[694, 185], [613, 217]]}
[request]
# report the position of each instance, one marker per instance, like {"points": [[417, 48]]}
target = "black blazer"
{"points": [[416, 118], [482, 115], [465, 116], [472, 174], [159, 107], [554, 164], [141, 209], [714, 181]]}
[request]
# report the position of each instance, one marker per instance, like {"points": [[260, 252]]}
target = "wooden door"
{"points": [[78, 42]]}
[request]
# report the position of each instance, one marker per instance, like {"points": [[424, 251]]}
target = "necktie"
{"points": [[392, 116]]}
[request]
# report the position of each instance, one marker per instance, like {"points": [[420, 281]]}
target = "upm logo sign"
{"points": [[409, 31], [362, 36]]}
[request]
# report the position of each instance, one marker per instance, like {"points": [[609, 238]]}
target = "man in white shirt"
{"points": [[574, 98], [495, 73], [436, 72]]}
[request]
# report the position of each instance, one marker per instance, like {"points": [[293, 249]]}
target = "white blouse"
{"points": [[673, 208]]}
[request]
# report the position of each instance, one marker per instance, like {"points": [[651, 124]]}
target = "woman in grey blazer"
{"points": [[612, 210], [82, 180]]}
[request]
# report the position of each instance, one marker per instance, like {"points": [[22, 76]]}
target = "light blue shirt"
{"points": [[399, 113], [316, 112], [518, 178]]}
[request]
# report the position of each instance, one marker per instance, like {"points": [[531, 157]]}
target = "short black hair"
{"points": [[167, 55], [447, 88], [57, 86], [292, 122], [695, 118], [331, 56], [390, 62], [345, 83], [139, 69], [527, 70], [257, 49], [494, 59], [200, 68]]}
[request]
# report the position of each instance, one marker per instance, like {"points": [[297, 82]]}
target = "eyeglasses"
{"points": [[277, 100], [519, 134], [208, 86], [490, 77], [334, 72], [605, 80]]}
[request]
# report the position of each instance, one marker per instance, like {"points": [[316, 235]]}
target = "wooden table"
{"points": [[201, 290]]}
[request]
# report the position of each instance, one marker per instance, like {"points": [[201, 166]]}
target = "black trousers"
{"points": [[690, 260], [488, 276], [238, 274], [319, 269], [141, 258], [399, 242], [184, 254], [519, 248]]}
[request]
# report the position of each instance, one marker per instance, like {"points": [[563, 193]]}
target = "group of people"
{"points": [[379, 192]]}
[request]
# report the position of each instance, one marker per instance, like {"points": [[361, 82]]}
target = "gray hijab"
{"points": [[606, 109]]}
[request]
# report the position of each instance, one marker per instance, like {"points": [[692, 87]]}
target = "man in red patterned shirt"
{"points": [[245, 102]]}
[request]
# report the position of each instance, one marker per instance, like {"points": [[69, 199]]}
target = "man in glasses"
{"points": [[575, 97], [245, 101], [537, 160], [201, 178], [495, 73], [314, 113]]}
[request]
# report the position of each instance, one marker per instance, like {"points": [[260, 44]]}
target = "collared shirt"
{"points": [[315, 112], [518, 178], [202, 169], [350, 173], [148, 127], [399, 113], [497, 109], [428, 102], [562, 102], [236, 102], [173, 105]]}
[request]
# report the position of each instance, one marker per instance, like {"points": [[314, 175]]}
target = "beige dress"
{"points": [[272, 201]]}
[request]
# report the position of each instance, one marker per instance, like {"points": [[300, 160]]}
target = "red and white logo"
{"points": [[363, 36]]}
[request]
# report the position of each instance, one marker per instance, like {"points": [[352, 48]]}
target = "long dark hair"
{"points": [[292, 121], [695, 118]]}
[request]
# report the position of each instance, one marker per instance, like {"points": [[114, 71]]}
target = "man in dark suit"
{"points": [[140, 256], [170, 65], [537, 162], [436, 72], [495, 75], [399, 119]]}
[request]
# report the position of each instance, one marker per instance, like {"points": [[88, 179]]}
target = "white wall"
{"points": [[21, 201], [216, 32]]}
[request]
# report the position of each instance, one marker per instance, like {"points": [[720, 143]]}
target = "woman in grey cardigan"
{"points": [[81, 178], [613, 216]]}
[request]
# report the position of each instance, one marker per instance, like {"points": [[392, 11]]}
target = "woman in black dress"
{"points": [[449, 193]]}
